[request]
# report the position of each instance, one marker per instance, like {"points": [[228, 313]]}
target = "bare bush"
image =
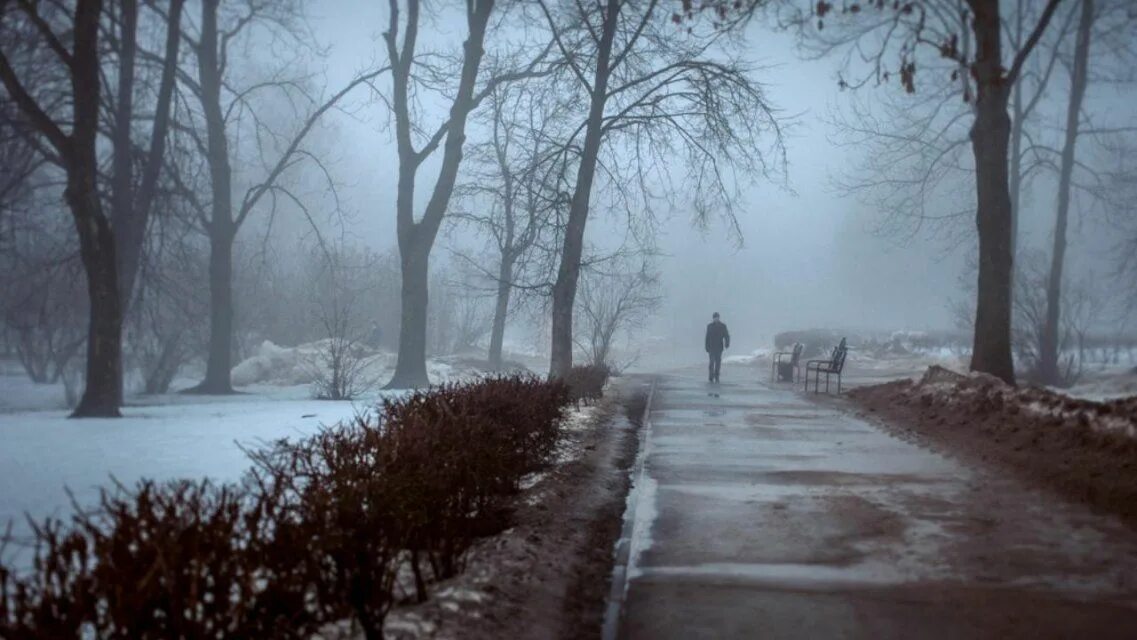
{"points": [[44, 302], [165, 323], [611, 304], [339, 365], [314, 535], [1079, 307], [337, 279]]}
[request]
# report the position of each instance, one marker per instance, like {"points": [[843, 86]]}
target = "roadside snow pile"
{"points": [[287, 366], [18, 393], [272, 364], [755, 356], [1105, 385], [914, 360], [1082, 448], [985, 395]]}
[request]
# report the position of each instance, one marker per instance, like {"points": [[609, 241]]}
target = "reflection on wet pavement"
{"points": [[765, 514]]}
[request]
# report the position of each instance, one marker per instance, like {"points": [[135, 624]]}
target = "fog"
{"points": [[808, 211], [803, 251], [805, 254]]}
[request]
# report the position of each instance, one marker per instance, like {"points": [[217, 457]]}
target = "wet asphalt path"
{"points": [[762, 514]]}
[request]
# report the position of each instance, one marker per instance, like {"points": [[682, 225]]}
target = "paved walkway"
{"points": [[762, 514]]}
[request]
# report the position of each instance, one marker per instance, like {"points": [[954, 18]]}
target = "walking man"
{"points": [[718, 339]]}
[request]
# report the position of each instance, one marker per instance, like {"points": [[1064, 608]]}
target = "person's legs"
{"points": [[711, 366], [716, 365]]}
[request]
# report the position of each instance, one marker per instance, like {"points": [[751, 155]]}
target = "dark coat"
{"points": [[718, 338]]}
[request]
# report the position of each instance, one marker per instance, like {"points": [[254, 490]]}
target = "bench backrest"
{"points": [[839, 354]]}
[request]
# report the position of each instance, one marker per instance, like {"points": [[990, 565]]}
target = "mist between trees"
{"points": [[172, 184]]}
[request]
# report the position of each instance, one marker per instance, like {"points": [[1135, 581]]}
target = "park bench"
{"points": [[831, 367], [787, 369]]}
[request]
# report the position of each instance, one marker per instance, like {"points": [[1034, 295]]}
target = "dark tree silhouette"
{"points": [[416, 237], [903, 32], [132, 196], [511, 193], [674, 96], [71, 141], [221, 106], [1048, 366]]}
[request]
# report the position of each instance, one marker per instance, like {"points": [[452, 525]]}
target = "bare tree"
{"points": [[915, 166], [69, 137], [1121, 190], [1081, 308], [165, 322], [674, 98], [132, 196], [416, 237], [1048, 357], [339, 367], [905, 32], [518, 171], [1115, 24], [223, 111], [473, 320], [44, 310], [19, 164], [611, 303], [337, 280]]}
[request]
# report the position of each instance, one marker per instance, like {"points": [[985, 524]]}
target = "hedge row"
{"points": [[317, 531], [586, 382]]}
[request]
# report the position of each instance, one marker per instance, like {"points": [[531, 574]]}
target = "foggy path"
{"points": [[764, 514]]}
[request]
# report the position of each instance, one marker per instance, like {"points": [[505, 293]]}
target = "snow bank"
{"points": [[1106, 385], [988, 395], [274, 365], [753, 357], [18, 393], [286, 366]]}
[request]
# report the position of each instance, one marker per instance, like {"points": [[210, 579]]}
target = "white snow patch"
{"points": [[408, 624], [286, 366], [753, 357], [1104, 385], [578, 419], [533, 479], [647, 511]]}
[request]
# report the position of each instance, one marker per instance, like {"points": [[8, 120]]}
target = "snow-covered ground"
{"points": [[757, 356], [1105, 383], [44, 454]]}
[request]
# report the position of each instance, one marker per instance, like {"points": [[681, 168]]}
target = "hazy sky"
{"points": [[809, 256]]}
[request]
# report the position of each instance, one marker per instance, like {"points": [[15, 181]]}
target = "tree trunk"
{"points": [[1016, 164], [220, 363], [122, 185], [222, 229], [990, 134], [410, 368], [501, 311], [78, 156], [417, 238], [568, 274], [132, 203], [102, 394], [1048, 368]]}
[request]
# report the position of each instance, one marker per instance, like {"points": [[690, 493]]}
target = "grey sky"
{"points": [[810, 256]]}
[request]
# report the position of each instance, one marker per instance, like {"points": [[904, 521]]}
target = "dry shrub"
{"points": [[315, 533], [586, 382], [56, 599], [453, 455], [173, 560], [334, 504]]}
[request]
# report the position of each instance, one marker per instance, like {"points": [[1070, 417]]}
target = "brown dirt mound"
{"points": [[1083, 449]]}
